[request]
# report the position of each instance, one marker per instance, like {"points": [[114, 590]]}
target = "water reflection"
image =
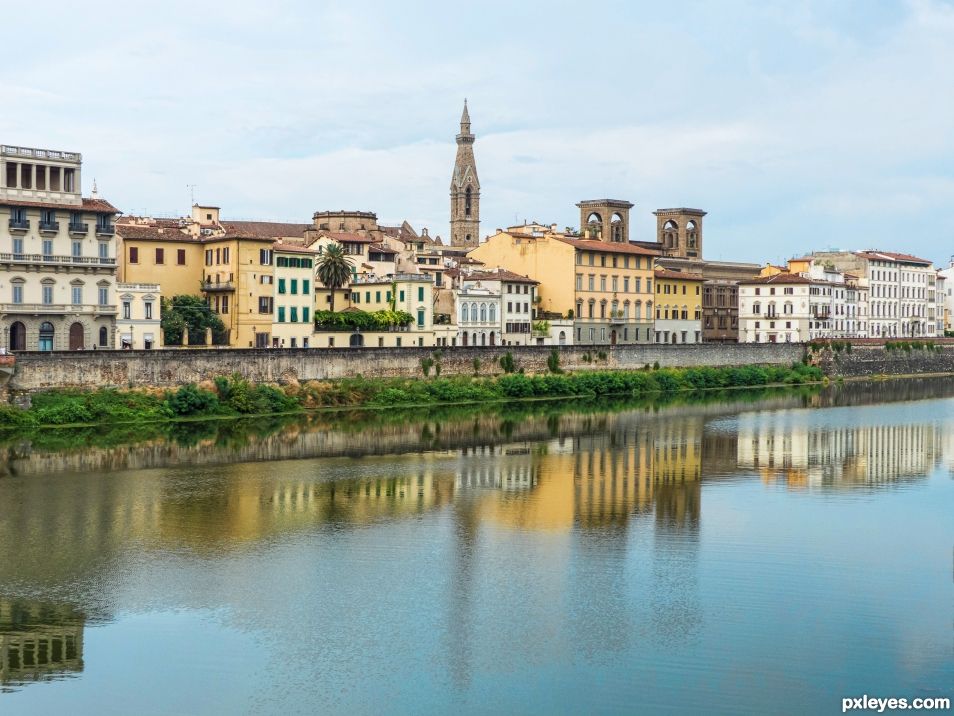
{"points": [[38, 642]]}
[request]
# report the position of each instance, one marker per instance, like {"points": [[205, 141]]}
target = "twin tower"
{"points": [[678, 231]]}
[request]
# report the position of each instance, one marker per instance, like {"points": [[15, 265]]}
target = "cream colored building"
{"points": [[292, 326], [137, 324], [57, 254]]}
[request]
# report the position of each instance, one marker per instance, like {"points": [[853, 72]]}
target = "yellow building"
{"points": [[678, 307], [160, 253], [294, 296], [606, 287]]}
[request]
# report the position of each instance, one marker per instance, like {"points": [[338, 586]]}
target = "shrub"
{"points": [[507, 362], [192, 400], [426, 365], [553, 361]]}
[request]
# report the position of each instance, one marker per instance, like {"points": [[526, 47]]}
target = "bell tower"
{"points": [[465, 190], [680, 232]]}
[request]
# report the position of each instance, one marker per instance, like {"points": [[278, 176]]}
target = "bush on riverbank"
{"points": [[235, 396]]}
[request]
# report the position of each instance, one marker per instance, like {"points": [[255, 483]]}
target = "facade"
{"points": [[57, 255], [720, 311], [502, 302], [465, 190], [138, 322], [160, 253], [605, 220], [294, 297], [478, 320], [899, 290], [238, 284], [605, 287], [779, 308], [680, 232], [678, 307]]}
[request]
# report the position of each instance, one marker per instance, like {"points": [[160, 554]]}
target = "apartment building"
{"points": [[678, 307], [294, 296], [605, 286], [512, 324], [57, 254], [138, 321]]}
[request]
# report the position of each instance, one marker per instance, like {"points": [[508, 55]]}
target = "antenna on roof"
{"points": [[191, 188], [95, 194]]}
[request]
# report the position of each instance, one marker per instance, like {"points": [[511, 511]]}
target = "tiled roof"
{"points": [[779, 278], [98, 205], [499, 274], [345, 237], [667, 273], [381, 249], [891, 256], [291, 248], [606, 246], [263, 229], [142, 232]]}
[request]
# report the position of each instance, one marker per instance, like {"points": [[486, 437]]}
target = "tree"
{"points": [[180, 312], [334, 269]]}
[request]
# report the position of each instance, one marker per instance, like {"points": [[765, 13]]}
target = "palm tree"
{"points": [[334, 269]]}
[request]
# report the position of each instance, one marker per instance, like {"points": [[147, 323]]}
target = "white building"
{"points": [[513, 315], [478, 316], [57, 255], [783, 308], [137, 325]]}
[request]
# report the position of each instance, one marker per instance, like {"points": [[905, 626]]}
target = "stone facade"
{"points": [[465, 190]]}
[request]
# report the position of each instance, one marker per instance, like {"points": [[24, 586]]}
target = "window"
{"points": [[103, 296], [77, 249], [592, 283], [294, 314], [148, 308], [18, 246], [225, 255], [103, 336], [76, 294], [420, 293], [103, 250], [127, 310], [493, 312], [160, 256], [304, 317], [473, 312], [579, 283], [47, 295], [134, 254], [306, 288], [401, 296], [281, 285], [18, 293], [265, 257], [420, 316], [281, 314], [47, 248], [225, 305], [294, 286], [180, 257]]}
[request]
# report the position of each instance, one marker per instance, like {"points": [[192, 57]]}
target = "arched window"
{"points": [[614, 310], [493, 312], [670, 234], [473, 315], [483, 312], [616, 228], [103, 337], [692, 235], [626, 311], [46, 336], [685, 313], [463, 313], [579, 309], [467, 204], [467, 238]]}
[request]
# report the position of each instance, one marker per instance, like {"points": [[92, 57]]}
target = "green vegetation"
{"points": [[908, 346], [234, 396], [553, 361], [507, 363], [192, 312], [334, 269], [354, 319]]}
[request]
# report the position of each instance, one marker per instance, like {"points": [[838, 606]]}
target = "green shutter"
{"points": [[294, 314], [401, 296], [377, 296], [367, 297], [281, 285], [306, 286], [281, 314], [420, 293], [420, 316], [294, 285], [304, 315]]}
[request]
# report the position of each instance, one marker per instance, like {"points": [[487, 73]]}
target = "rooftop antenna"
{"points": [[191, 188]]}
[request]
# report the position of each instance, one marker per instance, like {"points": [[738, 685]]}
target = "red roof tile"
{"points": [[144, 232], [891, 256], [668, 273], [499, 274], [604, 246], [98, 205], [345, 237], [263, 229]]}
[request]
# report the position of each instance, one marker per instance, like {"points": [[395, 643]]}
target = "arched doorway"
{"points": [[464, 340], [103, 336], [673, 336], [46, 336], [483, 339], [612, 338], [18, 337], [562, 338], [356, 340], [77, 342], [493, 341]]}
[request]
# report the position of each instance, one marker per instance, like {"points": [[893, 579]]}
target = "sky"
{"points": [[797, 125]]}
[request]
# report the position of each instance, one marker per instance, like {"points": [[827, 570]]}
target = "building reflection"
{"points": [[38, 642]]}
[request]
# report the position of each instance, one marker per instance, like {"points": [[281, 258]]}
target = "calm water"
{"points": [[742, 556]]}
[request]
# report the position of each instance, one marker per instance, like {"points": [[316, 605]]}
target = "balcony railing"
{"points": [[23, 225], [218, 286], [102, 230], [49, 226], [57, 308], [78, 228], [47, 259], [137, 286]]}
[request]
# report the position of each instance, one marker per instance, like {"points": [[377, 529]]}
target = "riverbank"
{"points": [[235, 397]]}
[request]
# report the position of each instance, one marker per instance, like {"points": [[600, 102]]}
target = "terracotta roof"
{"points": [[292, 248], [99, 205], [780, 278], [499, 274], [144, 232], [263, 229], [381, 249], [605, 246], [343, 236], [890, 256], [667, 273]]}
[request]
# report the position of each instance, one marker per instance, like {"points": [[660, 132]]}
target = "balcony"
{"points": [[40, 309], [104, 230], [220, 286], [16, 225], [50, 259], [78, 228]]}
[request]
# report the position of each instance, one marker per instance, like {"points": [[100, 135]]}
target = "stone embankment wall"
{"points": [[872, 359], [174, 367]]}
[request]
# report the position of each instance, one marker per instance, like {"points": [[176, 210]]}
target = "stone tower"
{"points": [[465, 190], [605, 220], [680, 232]]}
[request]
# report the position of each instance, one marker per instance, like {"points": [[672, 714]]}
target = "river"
{"points": [[769, 552]]}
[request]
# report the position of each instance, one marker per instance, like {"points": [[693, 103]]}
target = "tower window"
{"points": [[467, 238], [467, 203]]}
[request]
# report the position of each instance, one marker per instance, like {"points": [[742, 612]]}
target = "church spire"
{"points": [[465, 189]]}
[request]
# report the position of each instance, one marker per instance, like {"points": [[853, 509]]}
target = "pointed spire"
{"points": [[465, 120], [95, 194]]}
